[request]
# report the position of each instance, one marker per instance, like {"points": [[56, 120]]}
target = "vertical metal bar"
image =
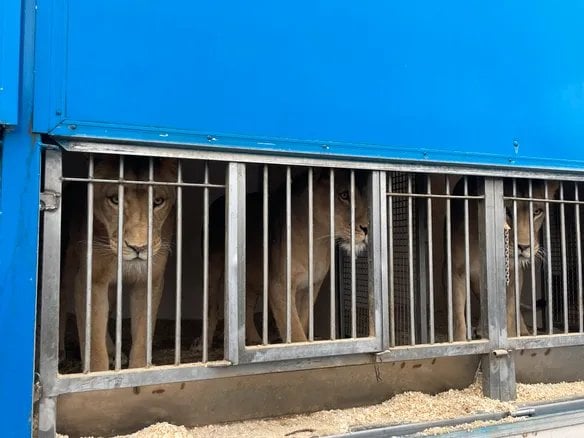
{"points": [[89, 267], [206, 345], [516, 266], [532, 261], [411, 287], [449, 261], [149, 265], [353, 261], [118, 354], [49, 328], [310, 258], [391, 314], [498, 370], [579, 257], [235, 243], [375, 257], [467, 262], [265, 258], [383, 263], [564, 257], [332, 271], [430, 259], [288, 255], [178, 304], [420, 229], [548, 245]]}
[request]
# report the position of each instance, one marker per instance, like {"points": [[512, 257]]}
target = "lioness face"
{"points": [[135, 227], [523, 245], [343, 210]]}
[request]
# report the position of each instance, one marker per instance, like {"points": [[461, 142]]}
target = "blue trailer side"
{"points": [[19, 230]]}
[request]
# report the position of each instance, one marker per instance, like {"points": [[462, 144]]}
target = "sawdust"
{"points": [[409, 407], [539, 392]]}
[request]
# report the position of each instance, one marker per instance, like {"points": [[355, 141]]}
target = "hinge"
{"points": [[38, 391], [49, 201]]}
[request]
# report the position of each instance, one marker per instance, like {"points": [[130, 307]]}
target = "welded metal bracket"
{"points": [[49, 201]]}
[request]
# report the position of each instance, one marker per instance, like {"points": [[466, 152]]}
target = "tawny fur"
{"points": [[523, 246], [277, 250], [134, 254]]}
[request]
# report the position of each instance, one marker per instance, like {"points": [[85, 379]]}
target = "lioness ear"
{"points": [[321, 173], [553, 187], [104, 159], [168, 167]]}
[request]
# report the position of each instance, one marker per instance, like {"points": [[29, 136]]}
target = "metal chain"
{"points": [[507, 251]]}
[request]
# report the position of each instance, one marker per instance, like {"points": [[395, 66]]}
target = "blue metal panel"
{"points": [[19, 228], [9, 60], [463, 81]]}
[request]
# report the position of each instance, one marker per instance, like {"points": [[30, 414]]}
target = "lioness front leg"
{"points": [[511, 308], [99, 360], [251, 332], [278, 306], [304, 304], [459, 306], [138, 313]]}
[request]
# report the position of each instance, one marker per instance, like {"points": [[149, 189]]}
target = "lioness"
{"points": [[277, 249], [523, 246], [134, 253]]}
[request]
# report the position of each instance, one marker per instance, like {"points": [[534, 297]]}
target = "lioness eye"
{"points": [[113, 199], [537, 211], [158, 201], [344, 196]]}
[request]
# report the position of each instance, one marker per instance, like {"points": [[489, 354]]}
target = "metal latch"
{"points": [[49, 201], [500, 353]]}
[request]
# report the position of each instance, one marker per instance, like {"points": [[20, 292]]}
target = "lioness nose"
{"points": [[523, 247], [363, 228], [137, 248]]}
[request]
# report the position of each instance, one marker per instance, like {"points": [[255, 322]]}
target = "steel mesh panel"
{"points": [[362, 291], [571, 266], [399, 183]]}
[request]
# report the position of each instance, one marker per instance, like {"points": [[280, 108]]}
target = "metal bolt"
{"points": [[326, 147], [72, 127], [211, 138]]}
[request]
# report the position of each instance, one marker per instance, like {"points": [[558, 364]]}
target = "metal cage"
{"points": [[384, 304]]}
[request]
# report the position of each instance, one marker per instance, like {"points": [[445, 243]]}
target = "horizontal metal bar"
{"points": [[546, 341], [417, 352], [546, 201], [307, 350], [431, 195], [156, 375], [413, 429], [145, 183], [562, 424], [179, 151]]}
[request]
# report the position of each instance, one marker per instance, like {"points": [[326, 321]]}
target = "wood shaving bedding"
{"points": [[408, 407]]}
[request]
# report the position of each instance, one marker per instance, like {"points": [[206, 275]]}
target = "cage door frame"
{"points": [[324, 348]]}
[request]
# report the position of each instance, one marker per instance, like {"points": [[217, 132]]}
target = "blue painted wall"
{"points": [[9, 60], [20, 162], [459, 81]]}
